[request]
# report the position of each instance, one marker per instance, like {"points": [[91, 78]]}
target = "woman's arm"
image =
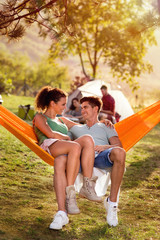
{"points": [[107, 122], [68, 122], [41, 123]]}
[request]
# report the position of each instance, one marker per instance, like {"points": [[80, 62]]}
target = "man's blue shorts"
{"points": [[102, 161]]}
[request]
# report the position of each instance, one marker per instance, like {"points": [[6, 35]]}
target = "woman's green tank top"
{"points": [[57, 126]]}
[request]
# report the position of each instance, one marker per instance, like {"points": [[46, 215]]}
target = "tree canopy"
{"points": [[116, 33], [16, 16]]}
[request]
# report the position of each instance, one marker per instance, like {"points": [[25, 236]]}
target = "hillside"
{"points": [[31, 44]]}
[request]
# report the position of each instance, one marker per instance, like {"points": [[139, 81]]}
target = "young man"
{"points": [[108, 151], [108, 108]]}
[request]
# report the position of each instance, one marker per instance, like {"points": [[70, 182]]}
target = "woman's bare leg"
{"points": [[87, 154], [73, 150], [60, 181]]}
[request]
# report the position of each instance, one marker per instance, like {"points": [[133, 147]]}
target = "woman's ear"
{"points": [[52, 103]]}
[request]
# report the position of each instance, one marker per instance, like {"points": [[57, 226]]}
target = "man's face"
{"points": [[103, 91], [88, 111]]}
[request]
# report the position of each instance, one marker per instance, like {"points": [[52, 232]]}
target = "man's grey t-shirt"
{"points": [[99, 131]]}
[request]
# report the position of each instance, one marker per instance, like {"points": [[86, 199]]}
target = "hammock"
{"points": [[130, 130]]}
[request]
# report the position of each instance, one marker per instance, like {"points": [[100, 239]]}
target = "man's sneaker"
{"points": [[88, 189], [112, 218], [60, 219], [71, 205]]}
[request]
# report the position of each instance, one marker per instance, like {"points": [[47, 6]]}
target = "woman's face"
{"points": [[60, 105], [75, 103]]}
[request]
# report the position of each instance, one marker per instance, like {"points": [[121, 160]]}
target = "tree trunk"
{"points": [[82, 64]]}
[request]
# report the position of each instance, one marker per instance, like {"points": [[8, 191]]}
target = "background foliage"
{"points": [[116, 33], [108, 32], [18, 76]]}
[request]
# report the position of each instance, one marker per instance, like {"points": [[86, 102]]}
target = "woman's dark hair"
{"points": [[46, 95], [72, 107], [93, 101]]}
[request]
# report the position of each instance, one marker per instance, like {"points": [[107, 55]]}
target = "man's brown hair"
{"points": [[104, 87], [93, 101]]}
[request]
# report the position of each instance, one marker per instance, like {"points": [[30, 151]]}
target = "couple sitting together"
{"points": [[78, 148]]}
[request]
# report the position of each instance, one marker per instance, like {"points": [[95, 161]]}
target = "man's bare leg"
{"points": [[117, 156], [87, 162]]}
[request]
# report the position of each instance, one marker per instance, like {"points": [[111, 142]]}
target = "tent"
{"points": [[92, 88]]}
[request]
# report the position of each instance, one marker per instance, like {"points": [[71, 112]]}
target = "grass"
{"points": [[28, 203]]}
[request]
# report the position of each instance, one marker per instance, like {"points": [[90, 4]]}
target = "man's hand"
{"points": [[101, 148]]}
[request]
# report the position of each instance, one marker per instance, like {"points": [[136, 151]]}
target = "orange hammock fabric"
{"points": [[130, 130]]}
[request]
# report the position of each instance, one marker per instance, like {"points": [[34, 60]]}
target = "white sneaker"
{"points": [[112, 218], [60, 219]]}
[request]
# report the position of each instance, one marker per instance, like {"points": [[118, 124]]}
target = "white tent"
{"points": [[122, 106], [92, 88]]}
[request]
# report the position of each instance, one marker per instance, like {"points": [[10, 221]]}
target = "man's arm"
{"points": [[107, 112], [114, 142]]}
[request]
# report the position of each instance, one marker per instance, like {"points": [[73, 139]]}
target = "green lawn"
{"points": [[12, 102], [27, 199]]}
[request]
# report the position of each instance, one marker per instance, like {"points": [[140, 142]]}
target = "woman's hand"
{"points": [[67, 138], [107, 122], [61, 136]]}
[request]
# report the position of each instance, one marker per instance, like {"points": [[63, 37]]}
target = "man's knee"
{"points": [[118, 155], [88, 140]]}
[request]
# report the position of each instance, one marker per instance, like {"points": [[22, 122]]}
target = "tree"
{"points": [[17, 75], [108, 31], [12, 69], [48, 72], [16, 16], [6, 85], [115, 32]]}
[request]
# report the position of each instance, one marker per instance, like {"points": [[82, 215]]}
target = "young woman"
{"points": [[75, 108], [51, 132]]}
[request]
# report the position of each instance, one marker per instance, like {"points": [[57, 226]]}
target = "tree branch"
{"points": [[82, 63], [40, 23], [100, 55], [29, 14], [24, 3], [88, 52], [95, 47]]}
